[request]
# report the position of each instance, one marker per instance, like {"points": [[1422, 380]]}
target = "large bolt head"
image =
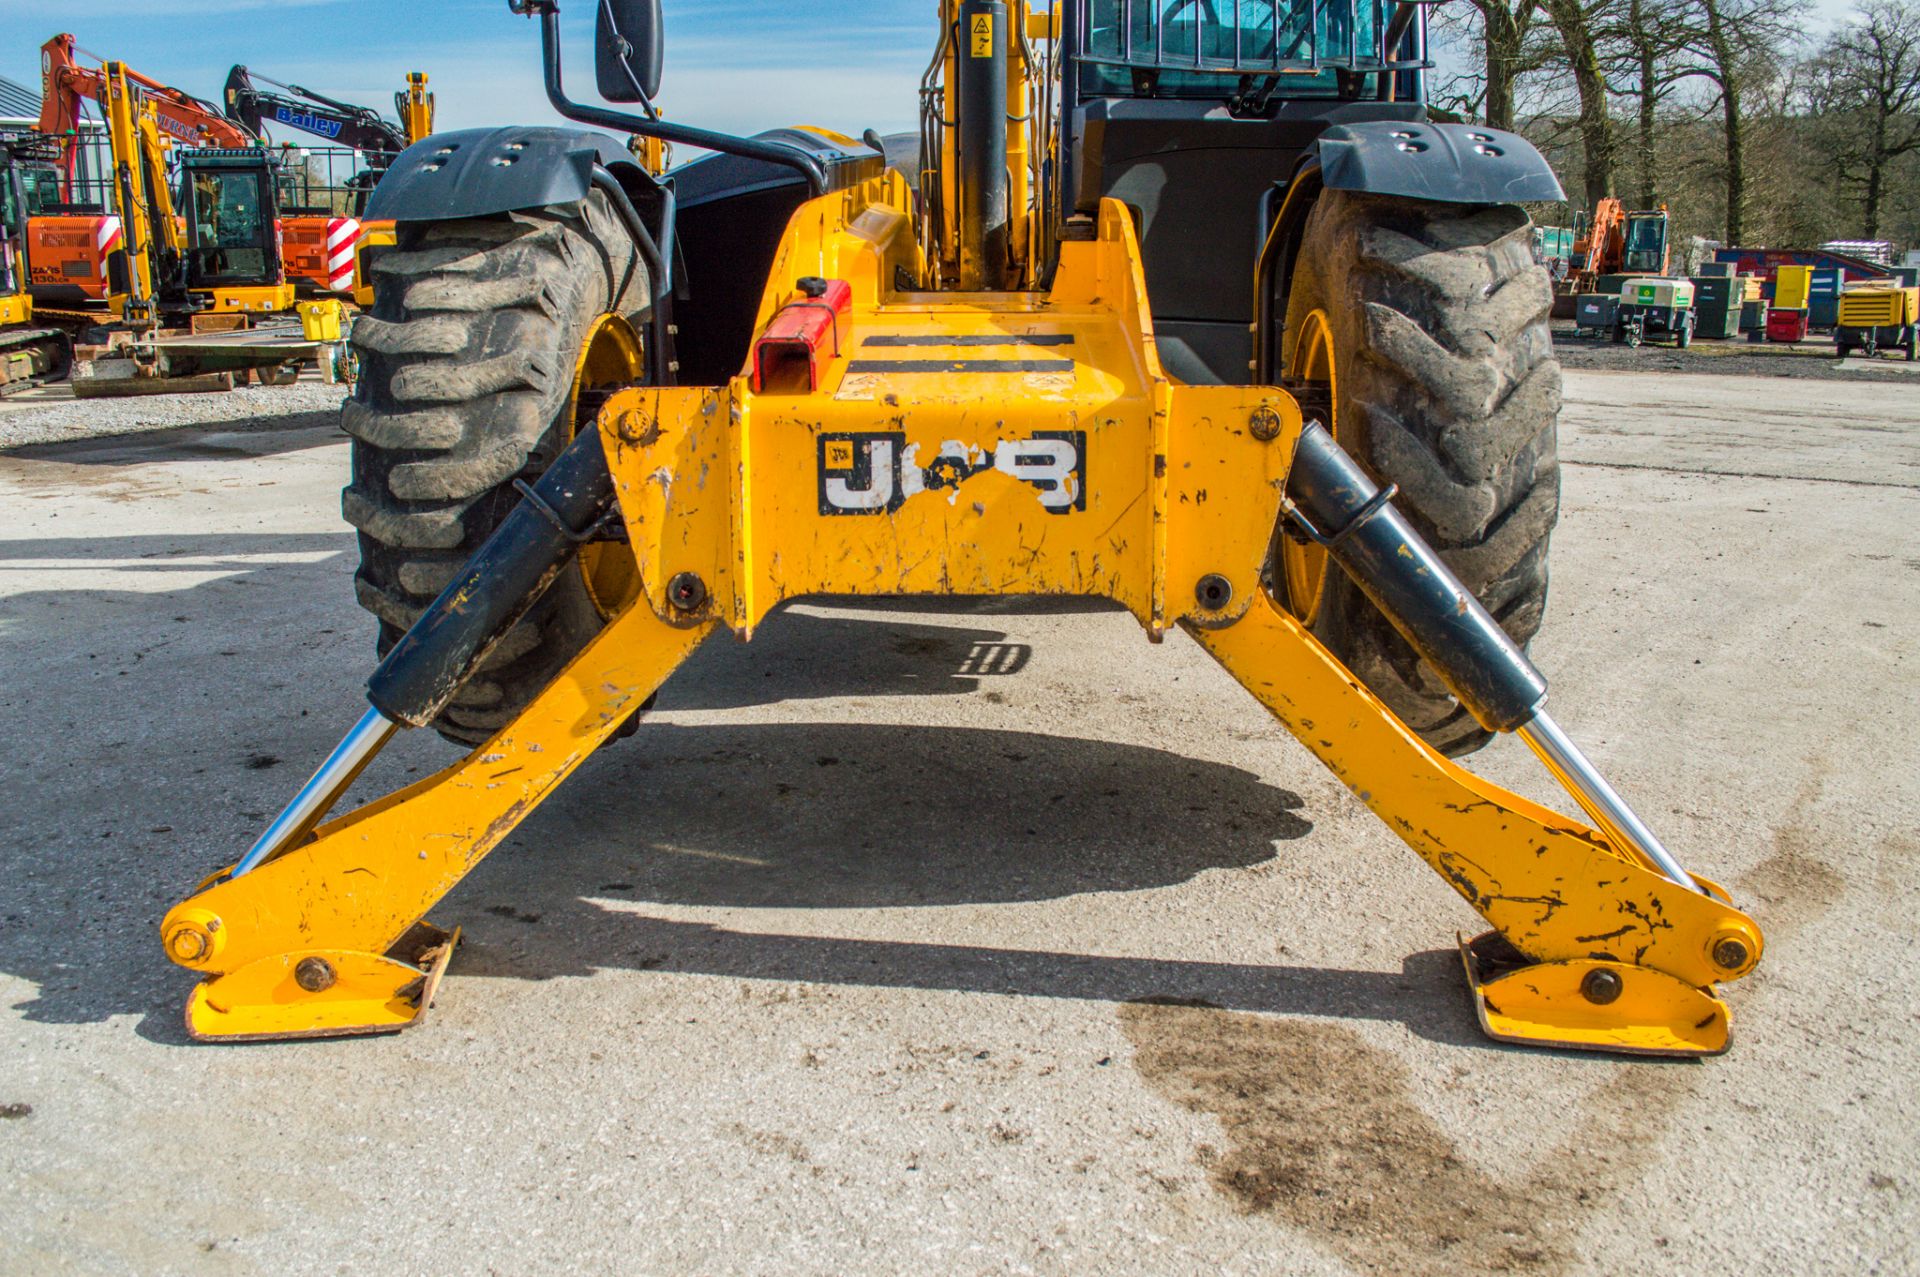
{"points": [[1733, 950], [1601, 986], [1213, 591], [315, 975], [193, 937], [686, 591]]}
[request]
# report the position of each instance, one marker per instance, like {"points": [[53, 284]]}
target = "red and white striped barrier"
{"points": [[106, 237], [342, 234]]}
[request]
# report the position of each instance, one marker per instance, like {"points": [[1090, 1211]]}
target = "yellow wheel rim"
{"points": [[1303, 567], [610, 358]]}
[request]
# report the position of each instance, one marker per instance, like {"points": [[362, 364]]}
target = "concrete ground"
{"points": [[962, 939]]}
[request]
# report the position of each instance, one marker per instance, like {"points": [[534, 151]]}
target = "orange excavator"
{"points": [[323, 244], [197, 233], [1613, 241]]}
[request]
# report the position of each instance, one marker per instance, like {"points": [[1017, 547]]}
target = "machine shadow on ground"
{"points": [[209, 441], [797, 815], [788, 661]]}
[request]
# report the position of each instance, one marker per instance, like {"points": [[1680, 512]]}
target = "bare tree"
{"points": [[1504, 28], [1866, 90], [1640, 40], [1737, 45], [1575, 21]]}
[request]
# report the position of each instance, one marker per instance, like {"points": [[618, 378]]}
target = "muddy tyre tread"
{"points": [[466, 368], [1448, 386]]}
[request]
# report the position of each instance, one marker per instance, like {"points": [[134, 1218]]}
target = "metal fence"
{"points": [[321, 179]]}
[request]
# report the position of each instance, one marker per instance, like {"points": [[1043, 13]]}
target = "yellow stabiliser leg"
{"points": [[1013, 444], [326, 939], [1598, 953]]}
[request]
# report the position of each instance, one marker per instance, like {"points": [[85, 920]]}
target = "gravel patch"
{"points": [[255, 407], [1813, 358]]}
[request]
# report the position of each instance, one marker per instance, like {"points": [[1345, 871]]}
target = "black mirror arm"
{"points": [[773, 152]]}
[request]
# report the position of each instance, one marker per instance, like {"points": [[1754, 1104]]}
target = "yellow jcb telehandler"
{"points": [[603, 416]]}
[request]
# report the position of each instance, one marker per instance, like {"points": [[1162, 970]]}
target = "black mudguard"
{"points": [[1409, 159], [1446, 163], [479, 172]]}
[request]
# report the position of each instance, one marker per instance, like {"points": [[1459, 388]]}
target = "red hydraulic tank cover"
{"points": [[798, 330]]}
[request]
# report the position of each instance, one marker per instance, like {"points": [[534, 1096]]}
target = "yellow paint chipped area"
{"points": [[957, 444], [966, 444]]}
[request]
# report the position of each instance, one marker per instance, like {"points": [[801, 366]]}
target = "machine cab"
{"points": [[1196, 114], [228, 201], [27, 188], [1646, 244]]}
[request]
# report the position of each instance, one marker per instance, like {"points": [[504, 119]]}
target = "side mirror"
{"points": [[627, 50]]}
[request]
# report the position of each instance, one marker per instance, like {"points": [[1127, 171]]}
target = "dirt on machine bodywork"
{"points": [[467, 386], [1174, 520], [958, 388]]}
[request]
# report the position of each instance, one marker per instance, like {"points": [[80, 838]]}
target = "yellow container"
{"points": [[321, 320], [1878, 305], [1791, 285]]}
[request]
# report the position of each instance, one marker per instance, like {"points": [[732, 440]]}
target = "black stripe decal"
{"points": [[960, 365], [970, 339]]}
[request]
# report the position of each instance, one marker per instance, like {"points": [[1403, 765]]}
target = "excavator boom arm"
{"points": [[353, 126], [66, 83]]}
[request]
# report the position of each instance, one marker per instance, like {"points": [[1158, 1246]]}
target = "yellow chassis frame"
{"points": [[963, 444]]}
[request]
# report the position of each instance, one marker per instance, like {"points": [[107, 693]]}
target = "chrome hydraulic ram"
{"points": [[506, 576], [1333, 503]]}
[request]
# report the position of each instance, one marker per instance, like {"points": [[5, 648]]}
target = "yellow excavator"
{"points": [[217, 246], [29, 354], [604, 416]]}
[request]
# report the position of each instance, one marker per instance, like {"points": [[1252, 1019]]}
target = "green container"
{"points": [[1753, 316], [1715, 319], [1712, 288]]}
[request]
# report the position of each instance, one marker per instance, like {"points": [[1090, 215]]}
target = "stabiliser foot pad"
{"points": [[324, 993], [1590, 1004]]}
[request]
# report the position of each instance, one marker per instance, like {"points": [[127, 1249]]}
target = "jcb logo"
{"points": [[875, 473]]}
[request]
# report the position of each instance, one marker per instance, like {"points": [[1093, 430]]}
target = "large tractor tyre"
{"points": [[484, 336], [1430, 323]]}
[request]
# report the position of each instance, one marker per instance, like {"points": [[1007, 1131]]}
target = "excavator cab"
{"points": [[15, 305], [28, 182], [1646, 243], [228, 200], [38, 185]]}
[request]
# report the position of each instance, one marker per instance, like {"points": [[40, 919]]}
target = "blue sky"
{"points": [[733, 65]]}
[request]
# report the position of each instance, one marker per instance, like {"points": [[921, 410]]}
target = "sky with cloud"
{"points": [[734, 65]]}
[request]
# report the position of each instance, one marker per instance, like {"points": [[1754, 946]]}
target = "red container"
{"points": [[1787, 325]]}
